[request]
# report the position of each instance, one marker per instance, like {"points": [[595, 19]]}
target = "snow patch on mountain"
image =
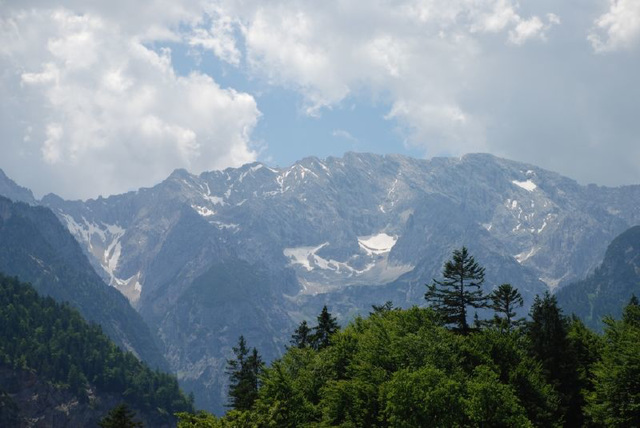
{"points": [[304, 256], [130, 287], [221, 225], [113, 252], [203, 211], [522, 257], [528, 185], [377, 244]]}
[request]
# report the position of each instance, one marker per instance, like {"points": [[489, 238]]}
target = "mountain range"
{"points": [[254, 250], [37, 248]]}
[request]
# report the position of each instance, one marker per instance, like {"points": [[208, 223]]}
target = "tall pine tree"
{"points": [[243, 371], [461, 288], [301, 338], [504, 301], [327, 326]]}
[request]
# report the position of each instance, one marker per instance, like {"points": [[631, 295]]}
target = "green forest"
{"points": [[431, 367], [53, 340]]}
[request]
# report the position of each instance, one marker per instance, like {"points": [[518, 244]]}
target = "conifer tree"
{"points": [[504, 300], [616, 399], [550, 344], [461, 288], [301, 338], [243, 371], [379, 309], [120, 416], [327, 326]]}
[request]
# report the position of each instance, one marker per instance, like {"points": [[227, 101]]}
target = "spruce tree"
{"points": [[120, 416], [550, 344], [461, 288], [327, 326], [243, 371], [504, 300], [301, 338], [379, 309]]}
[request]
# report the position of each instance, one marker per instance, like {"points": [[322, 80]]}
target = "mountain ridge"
{"points": [[350, 231], [38, 249]]}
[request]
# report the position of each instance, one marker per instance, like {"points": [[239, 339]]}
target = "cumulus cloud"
{"points": [[533, 28], [418, 55], [618, 28], [91, 99], [108, 113]]}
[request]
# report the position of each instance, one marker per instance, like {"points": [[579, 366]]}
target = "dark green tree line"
{"points": [[53, 340]]}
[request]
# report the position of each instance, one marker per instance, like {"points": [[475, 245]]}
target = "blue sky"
{"points": [[103, 97], [285, 134]]}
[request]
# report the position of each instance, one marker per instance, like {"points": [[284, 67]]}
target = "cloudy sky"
{"points": [[101, 97]]}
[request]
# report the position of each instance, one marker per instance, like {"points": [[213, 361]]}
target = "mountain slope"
{"points": [[610, 287], [9, 189], [35, 247], [60, 371], [348, 231]]}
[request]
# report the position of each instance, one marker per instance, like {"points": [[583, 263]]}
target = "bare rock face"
{"points": [[254, 250]]}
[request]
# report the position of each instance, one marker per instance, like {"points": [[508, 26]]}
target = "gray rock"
{"points": [[348, 232]]}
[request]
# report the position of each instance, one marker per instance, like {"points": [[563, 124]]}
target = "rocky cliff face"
{"points": [[348, 231]]}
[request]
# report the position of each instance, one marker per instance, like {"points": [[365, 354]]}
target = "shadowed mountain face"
{"points": [[607, 291], [349, 232], [36, 248]]}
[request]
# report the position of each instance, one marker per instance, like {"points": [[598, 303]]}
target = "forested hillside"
{"points": [[36, 248], [46, 343], [613, 282], [430, 367], [402, 368]]}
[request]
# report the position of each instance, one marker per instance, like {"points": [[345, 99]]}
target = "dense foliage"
{"points": [[39, 334], [120, 416], [616, 399], [420, 367], [402, 368]]}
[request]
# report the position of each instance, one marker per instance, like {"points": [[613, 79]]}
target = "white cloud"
{"points": [[88, 86], [51, 150], [418, 55], [618, 28], [108, 112], [345, 135], [217, 35]]}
